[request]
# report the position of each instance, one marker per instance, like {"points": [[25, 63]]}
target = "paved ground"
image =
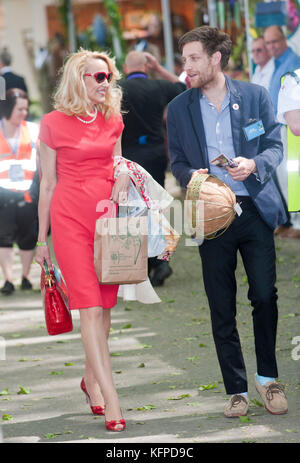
{"points": [[164, 365]]}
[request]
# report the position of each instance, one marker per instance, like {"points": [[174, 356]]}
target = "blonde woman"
{"points": [[78, 141]]}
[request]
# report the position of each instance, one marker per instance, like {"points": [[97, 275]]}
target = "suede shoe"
{"points": [[273, 396], [237, 406], [287, 232]]}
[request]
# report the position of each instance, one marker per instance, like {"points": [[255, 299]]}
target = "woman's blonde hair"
{"points": [[71, 96]]}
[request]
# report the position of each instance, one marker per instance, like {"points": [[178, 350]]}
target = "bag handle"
{"points": [[48, 277], [46, 267]]}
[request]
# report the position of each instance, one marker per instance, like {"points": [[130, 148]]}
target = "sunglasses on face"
{"points": [[100, 76], [257, 50]]}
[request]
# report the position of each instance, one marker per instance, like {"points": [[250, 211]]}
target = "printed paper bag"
{"points": [[121, 250]]}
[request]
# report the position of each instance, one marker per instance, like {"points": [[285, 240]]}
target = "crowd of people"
{"points": [[57, 172], [273, 59]]}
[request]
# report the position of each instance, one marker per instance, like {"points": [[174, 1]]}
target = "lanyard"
{"points": [[14, 148]]}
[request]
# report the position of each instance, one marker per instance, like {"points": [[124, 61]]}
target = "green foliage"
{"points": [[35, 110], [237, 55], [63, 9], [86, 39], [114, 16]]}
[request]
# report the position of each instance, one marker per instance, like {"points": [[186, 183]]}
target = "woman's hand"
{"points": [[43, 254], [120, 189]]}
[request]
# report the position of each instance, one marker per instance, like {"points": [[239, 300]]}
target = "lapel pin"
{"points": [[235, 106]]}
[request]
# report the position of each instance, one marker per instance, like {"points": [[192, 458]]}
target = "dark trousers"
{"points": [[249, 235], [153, 159], [19, 224]]}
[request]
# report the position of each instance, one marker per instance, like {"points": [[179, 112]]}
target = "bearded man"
{"points": [[216, 116]]}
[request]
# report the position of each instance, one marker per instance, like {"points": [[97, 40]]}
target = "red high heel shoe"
{"points": [[112, 425], [96, 409]]}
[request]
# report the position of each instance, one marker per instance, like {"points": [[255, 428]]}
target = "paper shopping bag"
{"points": [[121, 250]]}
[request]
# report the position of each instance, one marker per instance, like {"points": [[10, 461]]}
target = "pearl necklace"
{"points": [[88, 122]]}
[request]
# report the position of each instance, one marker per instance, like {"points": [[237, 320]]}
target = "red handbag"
{"points": [[54, 295]]}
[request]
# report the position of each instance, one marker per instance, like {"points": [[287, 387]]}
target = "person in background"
{"points": [[285, 60], [12, 80], [144, 102], [152, 41], [263, 61], [18, 187], [209, 119], [289, 115], [289, 102], [78, 142], [178, 65]]}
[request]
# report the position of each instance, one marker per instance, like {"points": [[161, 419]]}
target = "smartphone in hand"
{"points": [[223, 161]]}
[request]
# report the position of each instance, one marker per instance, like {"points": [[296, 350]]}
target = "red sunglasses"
{"points": [[100, 76]]}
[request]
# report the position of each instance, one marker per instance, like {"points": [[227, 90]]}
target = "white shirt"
{"points": [[5, 69], [288, 97], [263, 76]]}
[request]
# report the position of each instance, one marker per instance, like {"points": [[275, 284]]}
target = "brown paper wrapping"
{"points": [[121, 250]]}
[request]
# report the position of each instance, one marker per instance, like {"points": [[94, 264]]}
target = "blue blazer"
{"points": [[188, 150]]}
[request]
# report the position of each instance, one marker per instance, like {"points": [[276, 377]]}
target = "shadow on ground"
{"points": [[164, 365]]}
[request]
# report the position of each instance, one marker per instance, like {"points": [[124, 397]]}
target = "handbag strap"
{"points": [[46, 267], [49, 278]]}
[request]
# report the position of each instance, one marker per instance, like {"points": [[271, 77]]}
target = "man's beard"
{"points": [[203, 80]]}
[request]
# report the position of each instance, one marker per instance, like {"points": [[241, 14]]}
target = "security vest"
{"points": [[293, 164], [17, 168]]}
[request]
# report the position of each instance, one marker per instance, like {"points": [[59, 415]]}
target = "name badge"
{"points": [[16, 173], [254, 130]]}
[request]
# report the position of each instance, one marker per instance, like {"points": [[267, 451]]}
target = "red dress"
{"points": [[84, 165]]}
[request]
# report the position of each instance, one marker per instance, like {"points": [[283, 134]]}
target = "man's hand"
{"points": [[152, 62], [245, 168], [199, 171]]}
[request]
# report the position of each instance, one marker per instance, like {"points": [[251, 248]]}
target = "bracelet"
{"points": [[42, 243]]}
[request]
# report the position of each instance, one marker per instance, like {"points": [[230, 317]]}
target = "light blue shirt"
{"points": [[288, 61], [218, 136]]}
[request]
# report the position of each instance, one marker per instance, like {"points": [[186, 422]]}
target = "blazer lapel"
{"points": [[197, 123], [236, 111]]}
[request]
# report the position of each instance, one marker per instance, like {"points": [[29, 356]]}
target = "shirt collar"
{"points": [[282, 57], [136, 75], [226, 98]]}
